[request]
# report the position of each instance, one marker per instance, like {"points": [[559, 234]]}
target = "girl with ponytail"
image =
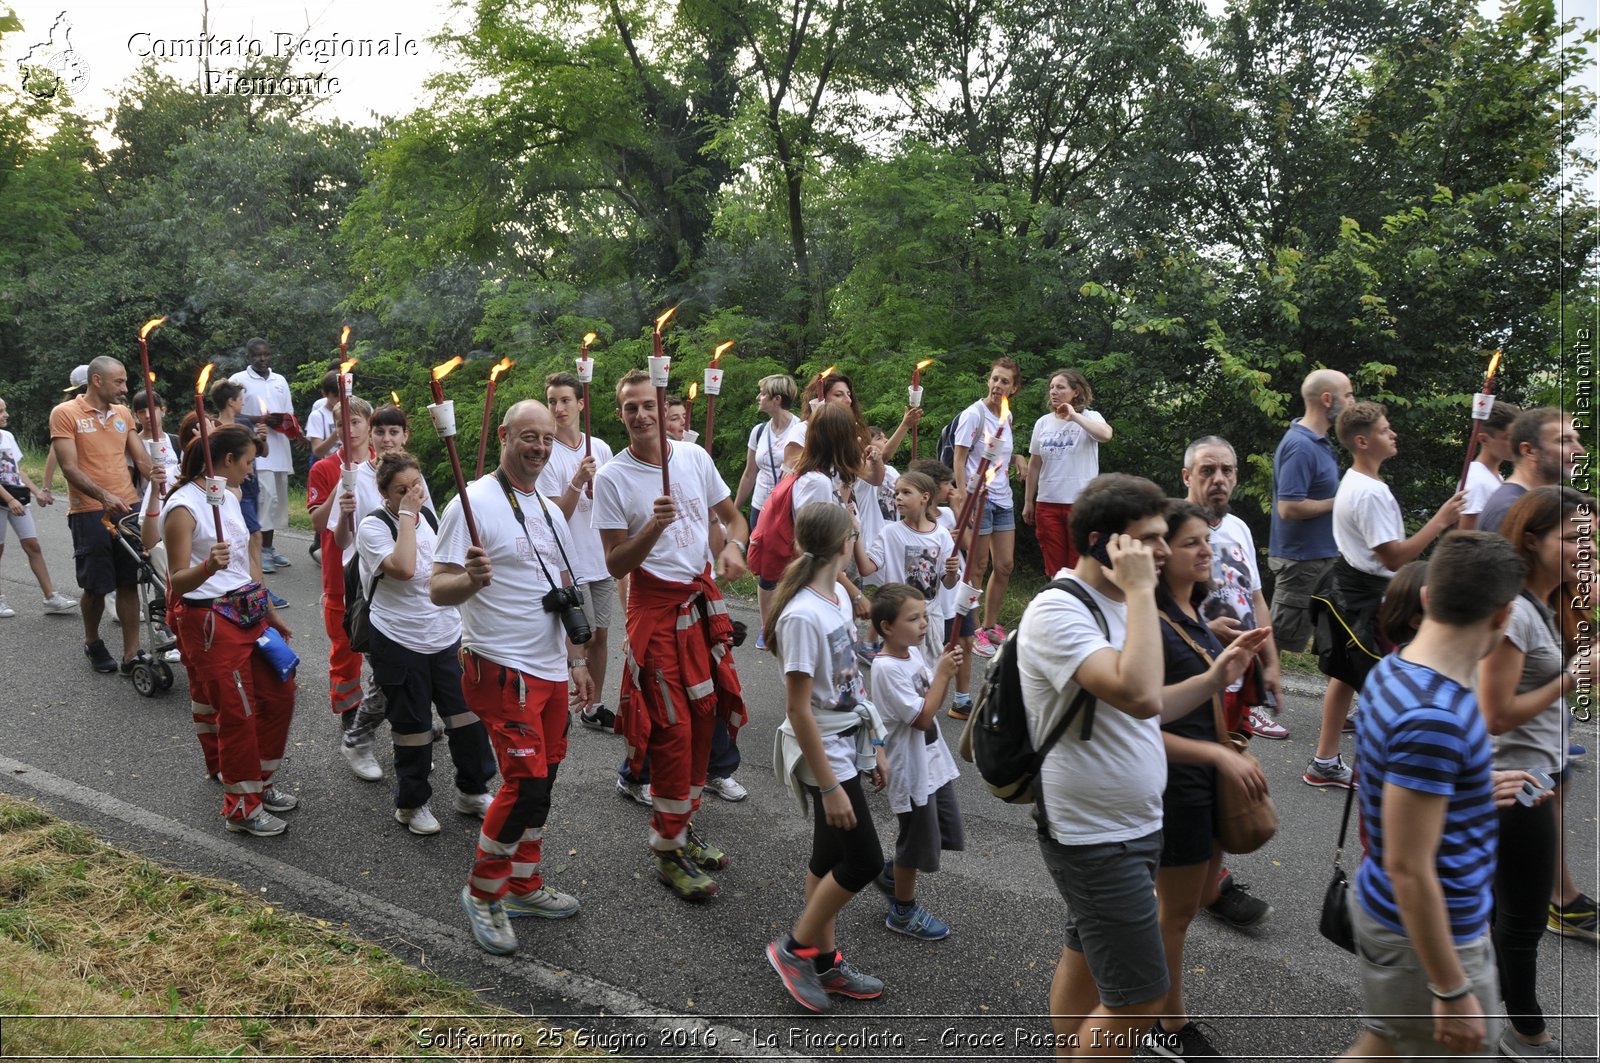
{"points": [[831, 734]]}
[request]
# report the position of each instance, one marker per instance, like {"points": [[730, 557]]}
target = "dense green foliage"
{"points": [[1195, 210]]}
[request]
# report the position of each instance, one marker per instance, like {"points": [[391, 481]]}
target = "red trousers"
{"points": [[1051, 523], [527, 722], [679, 745], [250, 707], [344, 664]]}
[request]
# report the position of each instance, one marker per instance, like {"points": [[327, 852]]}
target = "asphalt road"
{"points": [[656, 975]]}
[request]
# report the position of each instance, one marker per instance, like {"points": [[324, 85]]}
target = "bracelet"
{"points": [[573, 487], [577, 662], [416, 518], [743, 547], [829, 790], [1455, 994]]}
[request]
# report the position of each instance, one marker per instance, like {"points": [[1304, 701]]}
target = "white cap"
{"points": [[78, 379]]}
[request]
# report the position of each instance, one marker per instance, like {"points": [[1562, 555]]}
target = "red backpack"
{"points": [[772, 541]]}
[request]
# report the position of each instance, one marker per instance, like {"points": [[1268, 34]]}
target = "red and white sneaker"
{"points": [[1264, 726]]}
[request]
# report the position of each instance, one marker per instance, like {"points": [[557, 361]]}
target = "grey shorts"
{"points": [[1291, 599], [1395, 988], [23, 524], [272, 508], [599, 598], [928, 829], [1110, 890]]}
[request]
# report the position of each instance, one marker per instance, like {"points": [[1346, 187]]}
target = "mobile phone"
{"points": [[1098, 551], [1530, 793]]}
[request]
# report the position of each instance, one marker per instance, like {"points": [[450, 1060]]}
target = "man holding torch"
{"points": [[653, 506], [515, 552], [267, 398], [94, 443]]}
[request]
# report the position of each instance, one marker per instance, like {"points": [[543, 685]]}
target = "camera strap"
{"points": [[516, 508]]}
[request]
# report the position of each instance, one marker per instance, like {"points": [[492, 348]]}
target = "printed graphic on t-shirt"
{"points": [[848, 689], [8, 470], [886, 500], [683, 530], [1233, 596], [1061, 441], [922, 569]]}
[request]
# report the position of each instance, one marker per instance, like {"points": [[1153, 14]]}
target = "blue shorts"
{"points": [[249, 502], [996, 519], [969, 626]]}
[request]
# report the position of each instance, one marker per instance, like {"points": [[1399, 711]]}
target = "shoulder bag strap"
{"points": [[1216, 698], [1344, 824]]}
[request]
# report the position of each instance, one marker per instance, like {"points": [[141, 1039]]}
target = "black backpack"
{"points": [[358, 599], [997, 738], [947, 445]]}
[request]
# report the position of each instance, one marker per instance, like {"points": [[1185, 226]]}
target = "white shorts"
{"points": [[23, 524], [273, 509], [599, 596]]}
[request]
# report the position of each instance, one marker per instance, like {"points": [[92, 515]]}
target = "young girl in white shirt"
{"points": [[914, 551], [922, 771], [823, 746]]}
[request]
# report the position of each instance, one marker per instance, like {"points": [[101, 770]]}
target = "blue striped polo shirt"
{"points": [[1422, 731]]}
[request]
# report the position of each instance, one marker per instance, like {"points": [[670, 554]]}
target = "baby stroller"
{"points": [[151, 673]]}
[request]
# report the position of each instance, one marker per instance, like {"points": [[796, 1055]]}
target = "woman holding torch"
{"points": [[984, 436], [220, 610]]}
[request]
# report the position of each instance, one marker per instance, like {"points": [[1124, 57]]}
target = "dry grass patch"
{"points": [[203, 968]]}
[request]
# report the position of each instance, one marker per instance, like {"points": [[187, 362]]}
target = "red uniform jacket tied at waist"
{"points": [[680, 657]]}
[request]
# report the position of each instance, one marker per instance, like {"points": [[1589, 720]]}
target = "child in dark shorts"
{"points": [[922, 772]]}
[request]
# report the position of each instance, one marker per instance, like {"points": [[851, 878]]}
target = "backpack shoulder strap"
{"points": [[1084, 702], [394, 530]]}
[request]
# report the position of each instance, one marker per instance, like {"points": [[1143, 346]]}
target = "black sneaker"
{"points": [[100, 658], [598, 718], [1237, 908], [125, 669], [1187, 1043]]}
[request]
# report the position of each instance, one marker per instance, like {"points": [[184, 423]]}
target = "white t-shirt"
{"points": [[368, 498], [589, 561], [1481, 483], [624, 496], [1365, 515], [869, 517], [818, 638], [813, 487], [904, 555], [192, 497], [170, 461], [1107, 789], [320, 424], [11, 461], [891, 480], [268, 394], [944, 599], [768, 447], [919, 761], [1070, 456], [401, 608], [1234, 573], [976, 420], [505, 621]]}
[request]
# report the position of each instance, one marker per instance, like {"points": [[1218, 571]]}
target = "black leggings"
{"points": [[854, 856], [1523, 877]]}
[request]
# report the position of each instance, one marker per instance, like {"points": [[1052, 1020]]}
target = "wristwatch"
{"points": [[577, 662]]}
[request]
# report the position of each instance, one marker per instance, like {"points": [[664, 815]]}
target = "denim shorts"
{"points": [[1112, 916], [968, 622], [997, 519]]}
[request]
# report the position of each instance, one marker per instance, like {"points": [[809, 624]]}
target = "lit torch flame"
{"points": [[150, 326], [826, 373], [924, 364], [662, 320], [988, 477], [1493, 362], [201, 384], [694, 389], [347, 365], [395, 396], [344, 336], [500, 367], [152, 377], [443, 369], [717, 354], [588, 338], [1005, 411]]}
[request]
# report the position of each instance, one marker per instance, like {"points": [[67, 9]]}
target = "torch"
{"points": [[488, 409], [689, 434], [660, 368], [585, 378], [154, 443], [991, 451], [1482, 406], [713, 387], [214, 485], [914, 398], [444, 422], [966, 593], [822, 384]]}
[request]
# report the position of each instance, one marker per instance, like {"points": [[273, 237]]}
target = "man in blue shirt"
{"points": [[1305, 477], [1423, 895]]}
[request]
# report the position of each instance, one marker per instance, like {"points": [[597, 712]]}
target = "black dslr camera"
{"points": [[568, 602]]}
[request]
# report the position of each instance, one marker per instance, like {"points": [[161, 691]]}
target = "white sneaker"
{"points": [[637, 792], [362, 762], [728, 788], [172, 657], [417, 820], [6, 612], [475, 805], [263, 825], [60, 603]]}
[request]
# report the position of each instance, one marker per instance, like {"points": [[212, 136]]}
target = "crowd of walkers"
{"points": [[488, 626]]}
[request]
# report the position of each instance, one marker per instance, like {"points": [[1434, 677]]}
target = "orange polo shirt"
{"points": [[101, 440]]}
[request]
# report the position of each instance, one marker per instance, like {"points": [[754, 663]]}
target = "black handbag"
{"points": [[1336, 900], [20, 492]]}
